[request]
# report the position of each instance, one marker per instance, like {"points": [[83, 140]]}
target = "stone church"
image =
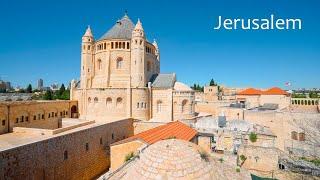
{"points": [[120, 78]]}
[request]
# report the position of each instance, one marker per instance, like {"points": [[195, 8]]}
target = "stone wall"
{"points": [[35, 114], [140, 126], [162, 110], [259, 158], [183, 105], [120, 151], [81, 153], [105, 104], [205, 143], [282, 124], [218, 108]]}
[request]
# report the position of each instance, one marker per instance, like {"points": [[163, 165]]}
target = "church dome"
{"points": [[171, 159], [179, 159], [121, 30]]}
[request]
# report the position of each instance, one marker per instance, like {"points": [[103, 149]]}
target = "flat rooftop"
{"points": [[22, 136]]}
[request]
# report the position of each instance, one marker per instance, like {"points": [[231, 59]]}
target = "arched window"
{"points": [[119, 102], [184, 106], [65, 155], [148, 66], [119, 63], [116, 45], [294, 135], [99, 64], [145, 105], [159, 106], [123, 45], [141, 105], [89, 100], [138, 105], [109, 102], [95, 100], [302, 136], [128, 45]]}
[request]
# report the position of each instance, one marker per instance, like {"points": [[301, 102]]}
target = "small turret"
{"points": [[138, 56], [86, 57], [138, 30], [157, 52], [88, 37]]}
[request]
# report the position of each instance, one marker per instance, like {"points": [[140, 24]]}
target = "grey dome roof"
{"points": [[121, 30]]}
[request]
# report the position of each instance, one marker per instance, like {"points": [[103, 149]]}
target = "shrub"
{"points": [[171, 137], [204, 156], [129, 156], [237, 169], [243, 157], [314, 161], [221, 160], [253, 137]]}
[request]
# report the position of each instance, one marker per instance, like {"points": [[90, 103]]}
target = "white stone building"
{"points": [[120, 78]]}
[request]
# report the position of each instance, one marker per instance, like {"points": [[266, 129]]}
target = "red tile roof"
{"points": [[271, 91], [175, 129], [250, 91], [275, 91]]}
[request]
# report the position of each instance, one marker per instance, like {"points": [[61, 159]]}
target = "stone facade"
{"points": [[120, 151], [287, 126], [211, 93], [80, 153], [118, 75], [259, 158], [35, 114]]}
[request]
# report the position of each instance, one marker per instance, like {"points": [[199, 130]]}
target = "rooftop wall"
{"points": [[81, 153], [35, 114]]}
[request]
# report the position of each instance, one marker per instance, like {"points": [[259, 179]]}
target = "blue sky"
{"points": [[41, 39]]}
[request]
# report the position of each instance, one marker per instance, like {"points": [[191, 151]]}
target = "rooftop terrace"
{"points": [[22, 136]]}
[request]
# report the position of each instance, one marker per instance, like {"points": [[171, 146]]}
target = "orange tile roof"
{"points": [[271, 91], [250, 91], [175, 129], [275, 91]]}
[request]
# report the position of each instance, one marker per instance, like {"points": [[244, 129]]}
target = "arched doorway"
{"points": [[74, 111]]}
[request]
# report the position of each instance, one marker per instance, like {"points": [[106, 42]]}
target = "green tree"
{"points": [[62, 88], [22, 91], [212, 83], [3, 90], [198, 87], [29, 89], [65, 95], [48, 95], [253, 137], [313, 94], [194, 86]]}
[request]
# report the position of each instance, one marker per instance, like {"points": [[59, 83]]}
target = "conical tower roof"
{"points": [[121, 30], [88, 32], [139, 25]]}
